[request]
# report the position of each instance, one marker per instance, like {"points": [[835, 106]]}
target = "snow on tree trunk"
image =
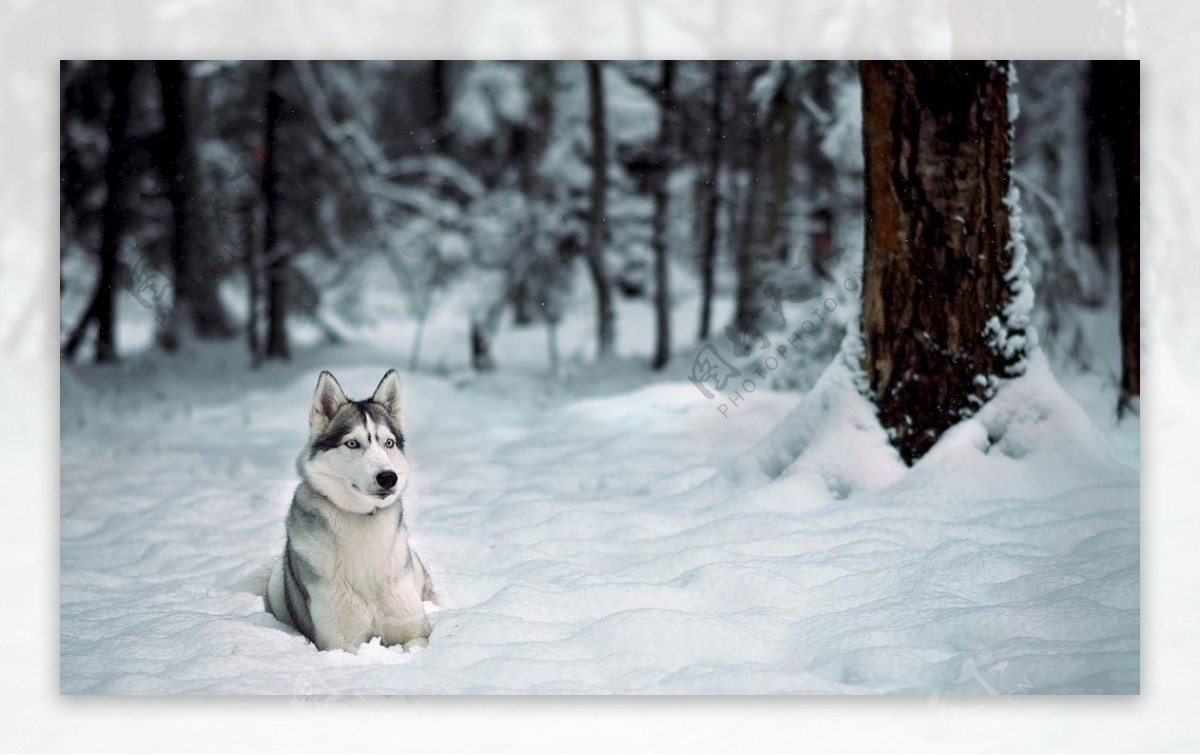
{"points": [[946, 295]]}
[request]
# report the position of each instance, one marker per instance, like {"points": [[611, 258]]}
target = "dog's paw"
{"points": [[415, 642]]}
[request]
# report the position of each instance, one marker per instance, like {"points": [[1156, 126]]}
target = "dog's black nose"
{"points": [[386, 479]]}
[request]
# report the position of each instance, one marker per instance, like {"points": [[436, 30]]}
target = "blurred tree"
{"points": [[760, 226], [178, 168], [274, 256], [102, 308], [1102, 101], [1126, 151], [553, 213], [664, 162], [195, 302], [597, 219], [84, 149], [504, 176], [499, 119], [710, 207], [1069, 277], [776, 88], [822, 202], [439, 77], [226, 123]]}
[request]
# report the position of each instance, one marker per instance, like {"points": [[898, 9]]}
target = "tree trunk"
{"points": [[822, 175], [439, 74], [529, 149], [781, 120], [246, 216], [276, 261], [712, 204], [121, 77], [174, 141], [481, 357], [761, 245], [1099, 189], [747, 261], [75, 339], [936, 328], [483, 330], [179, 175], [1126, 151], [598, 221], [661, 192], [195, 302]]}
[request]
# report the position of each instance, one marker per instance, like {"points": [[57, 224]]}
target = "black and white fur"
{"points": [[347, 573]]}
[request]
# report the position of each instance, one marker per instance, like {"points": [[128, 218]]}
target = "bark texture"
{"points": [[936, 140]]}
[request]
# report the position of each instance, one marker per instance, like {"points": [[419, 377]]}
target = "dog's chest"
{"points": [[374, 568], [371, 551]]}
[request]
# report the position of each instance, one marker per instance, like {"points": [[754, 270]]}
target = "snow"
{"points": [[1017, 336], [618, 540]]}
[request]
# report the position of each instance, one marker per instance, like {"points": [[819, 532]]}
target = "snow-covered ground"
{"points": [[608, 535]]}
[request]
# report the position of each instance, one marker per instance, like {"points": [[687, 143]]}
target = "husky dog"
{"points": [[347, 573]]}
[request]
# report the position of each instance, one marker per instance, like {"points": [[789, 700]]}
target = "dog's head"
{"points": [[355, 454]]}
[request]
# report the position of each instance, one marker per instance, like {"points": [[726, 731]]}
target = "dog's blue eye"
{"points": [[352, 443], [389, 443]]}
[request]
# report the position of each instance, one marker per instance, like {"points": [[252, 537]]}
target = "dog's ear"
{"points": [[387, 395], [327, 399]]}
